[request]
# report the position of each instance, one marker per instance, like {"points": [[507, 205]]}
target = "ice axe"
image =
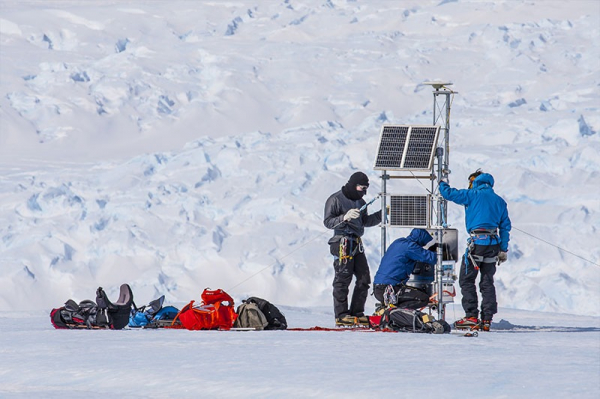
{"points": [[362, 208]]}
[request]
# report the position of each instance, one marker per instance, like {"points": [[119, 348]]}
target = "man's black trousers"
{"points": [[466, 280], [358, 267]]}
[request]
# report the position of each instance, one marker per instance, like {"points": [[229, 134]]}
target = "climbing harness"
{"points": [[346, 254], [480, 237], [350, 245], [389, 296]]}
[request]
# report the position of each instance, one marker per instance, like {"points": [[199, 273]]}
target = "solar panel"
{"points": [[409, 211], [403, 147]]}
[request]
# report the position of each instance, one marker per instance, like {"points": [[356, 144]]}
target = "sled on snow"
{"points": [[101, 314]]}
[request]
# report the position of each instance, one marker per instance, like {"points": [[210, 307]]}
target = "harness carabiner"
{"points": [[343, 246], [346, 254]]}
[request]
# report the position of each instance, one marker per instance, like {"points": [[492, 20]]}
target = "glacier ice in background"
{"points": [[183, 148]]}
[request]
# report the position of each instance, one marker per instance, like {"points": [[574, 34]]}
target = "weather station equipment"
{"points": [[420, 152]]}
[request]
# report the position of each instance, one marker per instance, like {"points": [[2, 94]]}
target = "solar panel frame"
{"points": [[406, 147]]}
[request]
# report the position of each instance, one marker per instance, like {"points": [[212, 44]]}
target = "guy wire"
{"points": [[319, 235], [279, 259], [289, 253], [556, 246]]}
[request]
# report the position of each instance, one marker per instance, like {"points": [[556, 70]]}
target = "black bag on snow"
{"points": [[409, 320], [275, 318], [114, 315]]}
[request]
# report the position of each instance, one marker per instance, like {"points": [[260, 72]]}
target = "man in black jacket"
{"points": [[343, 215]]}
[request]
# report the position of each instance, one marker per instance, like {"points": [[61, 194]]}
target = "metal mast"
{"points": [[442, 100], [384, 179]]}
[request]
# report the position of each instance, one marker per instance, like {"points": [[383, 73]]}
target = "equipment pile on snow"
{"points": [[215, 312], [100, 314]]}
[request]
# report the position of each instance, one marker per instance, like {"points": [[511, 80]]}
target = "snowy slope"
{"points": [[180, 145]]}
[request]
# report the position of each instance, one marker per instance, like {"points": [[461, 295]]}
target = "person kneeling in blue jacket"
{"points": [[396, 267]]}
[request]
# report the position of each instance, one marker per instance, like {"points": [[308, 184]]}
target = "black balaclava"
{"points": [[349, 190]]}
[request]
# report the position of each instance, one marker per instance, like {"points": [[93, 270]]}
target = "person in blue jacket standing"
{"points": [[488, 225], [396, 267]]}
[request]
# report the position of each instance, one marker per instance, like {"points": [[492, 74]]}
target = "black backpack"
{"points": [[408, 320], [275, 318], [114, 315]]}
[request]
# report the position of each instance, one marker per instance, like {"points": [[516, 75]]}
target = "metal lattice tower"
{"points": [[442, 101], [408, 149]]}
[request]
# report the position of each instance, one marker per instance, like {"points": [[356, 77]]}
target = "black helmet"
{"points": [[473, 176]]}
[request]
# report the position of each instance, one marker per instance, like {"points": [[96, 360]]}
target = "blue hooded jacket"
{"points": [[484, 209], [400, 258]]}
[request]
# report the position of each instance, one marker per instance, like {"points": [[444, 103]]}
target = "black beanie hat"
{"points": [[359, 178], [349, 190]]}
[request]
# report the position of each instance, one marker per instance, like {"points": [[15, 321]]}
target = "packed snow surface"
{"points": [[527, 355]]}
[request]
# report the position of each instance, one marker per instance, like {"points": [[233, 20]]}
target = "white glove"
{"points": [[351, 214], [502, 256]]}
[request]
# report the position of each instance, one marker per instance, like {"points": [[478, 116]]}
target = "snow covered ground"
{"points": [[181, 145], [559, 358]]}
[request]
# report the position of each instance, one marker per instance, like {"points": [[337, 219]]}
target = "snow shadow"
{"points": [[507, 327]]}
